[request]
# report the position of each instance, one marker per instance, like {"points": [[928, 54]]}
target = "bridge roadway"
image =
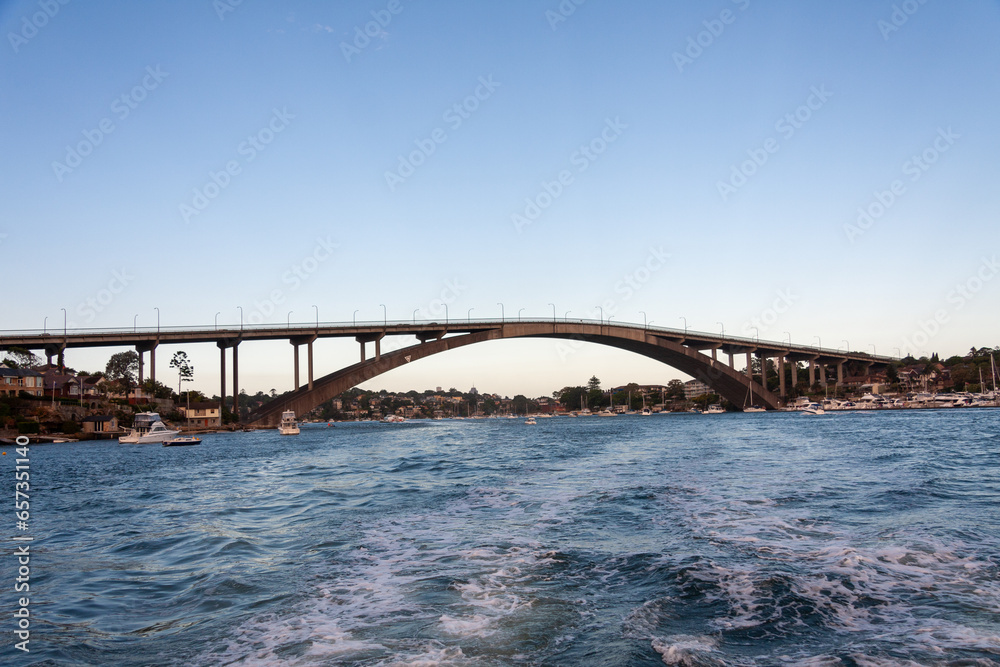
{"points": [[684, 350]]}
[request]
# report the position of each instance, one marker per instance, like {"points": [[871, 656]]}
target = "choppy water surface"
{"points": [[770, 539]]}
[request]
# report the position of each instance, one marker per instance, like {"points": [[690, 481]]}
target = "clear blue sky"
{"points": [[310, 118]]}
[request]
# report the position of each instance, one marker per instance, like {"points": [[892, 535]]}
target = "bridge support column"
{"points": [[309, 360], [763, 370], [142, 366], [749, 366], [822, 374], [236, 382], [222, 376], [812, 372], [152, 364], [295, 362], [362, 350], [732, 364], [840, 373], [378, 349], [781, 376]]}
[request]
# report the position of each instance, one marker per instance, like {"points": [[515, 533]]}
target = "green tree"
{"points": [[185, 369], [19, 357], [593, 383], [123, 368]]}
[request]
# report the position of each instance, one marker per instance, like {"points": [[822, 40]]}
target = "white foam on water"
{"points": [[384, 582], [688, 651], [890, 594]]}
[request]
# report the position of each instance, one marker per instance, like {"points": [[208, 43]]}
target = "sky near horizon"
{"points": [[824, 171]]}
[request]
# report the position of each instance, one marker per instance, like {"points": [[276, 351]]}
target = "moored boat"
{"points": [[147, 428], [182, 441], [288, 425]]}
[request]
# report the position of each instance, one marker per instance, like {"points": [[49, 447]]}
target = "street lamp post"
{"points": [[685, 324], [819, 342], [519, 314], [241, 317], [134, 320], [566, 316], [288, 319], [848, 344], [217, 319], [756, 334], [470, 314], [415, 315], [317, 315], [501, 312], [643, 313], [723, 328], [553, 311], [789, 337], [354, 318], [45, 324], [874, 353], [385, 316], [64, 321], [602, 314], [157, 320], [446, 316]]}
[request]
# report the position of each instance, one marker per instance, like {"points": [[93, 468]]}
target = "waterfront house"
{"points": [[15, 380], [100, 424], [203, 414]]}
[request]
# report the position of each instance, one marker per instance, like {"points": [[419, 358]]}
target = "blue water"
{"points": [[768, 539]]}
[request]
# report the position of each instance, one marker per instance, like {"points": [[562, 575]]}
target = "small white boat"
{"points": [[288, 425], [813, 409], [530, 421], [182, 441], [695, 411], [754, 408], [646, 412], [147, 428], [715, 409], [396, 419]]}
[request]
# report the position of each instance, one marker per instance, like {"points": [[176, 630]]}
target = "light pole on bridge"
{"points": [[415, 315], [45, 324], [385, 316], [446, 316], [602, 315], [501, 312], [134, 320], [157, 320], [847, 343], [354, 318], [241, 317], [64, 321], [643, 313], [789, 338], [874, 353], [723, 328], [756, 334], [553, 311], [470, 315], [519, 314], [685, 324], [288, 319], [566, 316], [819, 342], [217, 320]]}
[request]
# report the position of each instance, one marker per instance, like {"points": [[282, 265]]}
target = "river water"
{"points": [[768, 539]]}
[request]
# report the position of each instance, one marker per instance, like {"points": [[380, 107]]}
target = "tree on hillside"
{"points": [[593, 383], [185, 369], [123, 368], [19, 357]]}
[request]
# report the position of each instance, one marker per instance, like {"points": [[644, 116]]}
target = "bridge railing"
{"points": [[56, 333]]}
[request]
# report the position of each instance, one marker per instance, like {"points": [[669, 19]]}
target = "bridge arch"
{"points": [[732, 385]]}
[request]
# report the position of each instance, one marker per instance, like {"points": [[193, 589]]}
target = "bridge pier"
{"points": [[732, 364], [822, 374], [142, 348], [763, 369], [812, 372], [368, 338], [840, 373], [222, 378], [749, 366], [308, 342], [781, 376], [223, 344]]}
